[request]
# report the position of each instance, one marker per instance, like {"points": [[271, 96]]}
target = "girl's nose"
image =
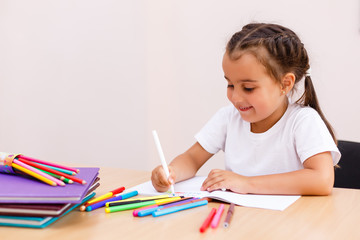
{"points": [[236, 97]]}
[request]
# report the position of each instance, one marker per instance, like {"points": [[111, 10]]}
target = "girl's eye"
{"points": [[248, 89], [230, 86]]}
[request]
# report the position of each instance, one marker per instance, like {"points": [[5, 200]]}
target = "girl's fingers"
{"points": [[212, 182], [158, 179]]}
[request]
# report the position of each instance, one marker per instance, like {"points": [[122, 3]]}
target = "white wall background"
{"points": [[86, 81]]}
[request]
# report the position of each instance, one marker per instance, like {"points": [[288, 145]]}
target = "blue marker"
{"points": [[103, 202], [179, 208]]}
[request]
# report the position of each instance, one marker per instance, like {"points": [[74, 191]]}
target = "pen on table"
{"points": [[136, 199], [147, 210], [207, 221], [102, 203], [217, 217], [178, 208], [229, 214], [113, 204], [136, 205], [162, 158], [107, 195]]}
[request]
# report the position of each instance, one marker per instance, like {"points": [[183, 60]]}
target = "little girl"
{"points": [[271, 145]]}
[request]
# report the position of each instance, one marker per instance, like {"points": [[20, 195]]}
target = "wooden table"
{"points": [[331, 217]]}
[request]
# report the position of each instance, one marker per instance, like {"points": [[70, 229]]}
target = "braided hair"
{"points": [[281, 51]]}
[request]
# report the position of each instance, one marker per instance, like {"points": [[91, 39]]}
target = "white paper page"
{"points": [[191, 188]]}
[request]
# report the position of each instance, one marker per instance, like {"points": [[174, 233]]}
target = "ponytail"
{"points": [[309, 98]]}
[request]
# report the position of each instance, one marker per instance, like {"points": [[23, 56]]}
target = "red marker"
{"points": [[207, 221], [107, 195]]}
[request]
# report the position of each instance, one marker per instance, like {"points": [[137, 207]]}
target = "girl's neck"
{"points": [[264, 125]]}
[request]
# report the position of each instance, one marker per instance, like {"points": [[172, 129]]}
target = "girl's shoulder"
{"points": [[303, 115], [299, 111]]}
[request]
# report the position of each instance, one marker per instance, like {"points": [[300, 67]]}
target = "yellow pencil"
{"points": [[35, 175]]}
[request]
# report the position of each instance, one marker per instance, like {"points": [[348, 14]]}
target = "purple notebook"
{"points": [[19, 189]]}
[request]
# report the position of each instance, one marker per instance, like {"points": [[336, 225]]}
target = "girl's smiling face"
{"points": [[258, 97]]}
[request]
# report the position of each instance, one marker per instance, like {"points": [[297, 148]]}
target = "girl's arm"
{"points": [[182, 167], [317, 178]]}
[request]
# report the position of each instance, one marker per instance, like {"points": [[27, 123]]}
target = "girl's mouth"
{"points": [[244, 109]]}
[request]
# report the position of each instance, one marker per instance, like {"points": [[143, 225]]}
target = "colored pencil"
{"points": [[35, 175], [75, 179], [65, 180], [48, 163], [207, 221], [30, 168], [72, 173]]}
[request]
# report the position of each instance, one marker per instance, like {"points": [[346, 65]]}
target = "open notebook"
{"points": [[191, 188]]}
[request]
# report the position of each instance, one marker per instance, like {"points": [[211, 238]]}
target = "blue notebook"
{"points": [[37, 222], [20, 189]]}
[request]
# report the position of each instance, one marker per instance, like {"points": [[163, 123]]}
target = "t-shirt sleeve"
{"points": [[312, 137], [213, 135]]}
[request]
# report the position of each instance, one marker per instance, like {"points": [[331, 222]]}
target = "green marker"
{"points": [[129, 206]]}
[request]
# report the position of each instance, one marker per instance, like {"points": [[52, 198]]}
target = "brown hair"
{"points": [[281, 51]]}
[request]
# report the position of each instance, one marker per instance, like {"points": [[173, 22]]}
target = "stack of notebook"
{"points": [[26, 202]]}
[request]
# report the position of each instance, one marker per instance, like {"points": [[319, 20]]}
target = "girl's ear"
{"points": [[288, 82]]}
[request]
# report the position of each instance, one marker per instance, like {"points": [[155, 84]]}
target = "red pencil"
{"points": [[49, 163], [207, 221], [75, 179]]}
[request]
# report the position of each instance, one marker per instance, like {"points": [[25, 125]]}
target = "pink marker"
{"points": [[217, 217]]}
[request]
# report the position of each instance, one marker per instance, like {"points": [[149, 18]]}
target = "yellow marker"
{"points": [[145, 198], [107, 195], [35, 175]]}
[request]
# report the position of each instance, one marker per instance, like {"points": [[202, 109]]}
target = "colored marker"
{"points": [[217, 217], [207, 221], [149, 211], [135, 205], [170, 210], [102, 203], [229, 214], [111, 204], [162, 158], [135, 212], [107, 195]]}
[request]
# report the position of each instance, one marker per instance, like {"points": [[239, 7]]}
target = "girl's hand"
{"points": [[159, 180], [221, 179]]}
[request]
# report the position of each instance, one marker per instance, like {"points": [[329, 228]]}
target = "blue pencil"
{"points": [[179, 208]]}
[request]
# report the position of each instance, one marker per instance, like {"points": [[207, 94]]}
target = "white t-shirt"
{"points": [[298, 135]]}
